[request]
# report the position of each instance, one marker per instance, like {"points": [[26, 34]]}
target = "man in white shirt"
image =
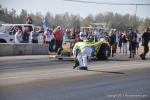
{"points": [[18, 36], [49, 38], [83, 36], [34, 36], [138, 40]]}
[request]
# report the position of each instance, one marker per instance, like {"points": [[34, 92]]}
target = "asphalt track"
{"points": [[41, 78]]}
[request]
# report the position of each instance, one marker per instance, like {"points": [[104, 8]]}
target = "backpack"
{"points": [[133, 37]]}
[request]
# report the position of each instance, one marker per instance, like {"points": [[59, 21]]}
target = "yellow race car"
{"points": [[101, 50]]}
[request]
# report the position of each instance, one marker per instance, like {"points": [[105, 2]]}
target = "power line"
{"points": [[109, 3]]}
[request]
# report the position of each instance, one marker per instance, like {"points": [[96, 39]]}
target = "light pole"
{"points": [[135, 15]]}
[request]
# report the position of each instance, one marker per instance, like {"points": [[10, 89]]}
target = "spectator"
{"points": [[138, 40], [43, 39], [25, 36], [124, 42], [117, 40], [18, 35], [58, 34], [67, 36], [83, 35], [132, 43], [29, 20], [145, 40], [112, 41], [96, 36], [34, 36], [49, 38], [120, 41], [73, 35]]}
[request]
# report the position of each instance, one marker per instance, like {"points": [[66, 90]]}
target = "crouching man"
{"points": [[81, 51]]}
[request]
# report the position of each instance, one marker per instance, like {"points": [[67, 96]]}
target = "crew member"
{"points": [[81, 51]]}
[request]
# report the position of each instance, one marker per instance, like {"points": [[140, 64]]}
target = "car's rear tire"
{"points": [[103, 52]]}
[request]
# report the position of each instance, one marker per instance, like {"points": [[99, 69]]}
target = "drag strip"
{"points": [[94, 68]]}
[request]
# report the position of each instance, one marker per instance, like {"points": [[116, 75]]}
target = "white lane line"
{"points": [[62, 72]]}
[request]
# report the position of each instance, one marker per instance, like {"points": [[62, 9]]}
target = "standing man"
{"points": [[132, 43], [34, 36], [83, 35], [138, 41], [120, 41], [18, 35], [58, 34], [49, 38], [145, 40], [29, 20], [117, 40], [81, 51], [25, 36]]}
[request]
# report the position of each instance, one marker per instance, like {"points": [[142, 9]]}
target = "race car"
{"points": [[101, 50]]}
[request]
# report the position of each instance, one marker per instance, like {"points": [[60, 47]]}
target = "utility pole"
{"points": [[135, 15]]}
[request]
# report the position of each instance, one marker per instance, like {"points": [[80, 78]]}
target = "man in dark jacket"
{"points": [[132, 43], [145, 40], [25, 36]]}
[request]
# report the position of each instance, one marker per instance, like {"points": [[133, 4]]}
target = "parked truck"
{"points": [[7, 31]]}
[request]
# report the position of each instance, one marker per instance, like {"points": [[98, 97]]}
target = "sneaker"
{"points": [[83, 68], [80, 68], [74, 67], [76, 64], [143, 58]]}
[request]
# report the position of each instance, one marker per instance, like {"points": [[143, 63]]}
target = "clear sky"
{"points": [[82, 9]]}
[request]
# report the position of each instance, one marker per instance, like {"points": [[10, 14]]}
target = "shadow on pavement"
{"points": [[112, 72], [118, 60]]}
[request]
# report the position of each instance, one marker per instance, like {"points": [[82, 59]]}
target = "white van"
{"points": [[7, 31]]}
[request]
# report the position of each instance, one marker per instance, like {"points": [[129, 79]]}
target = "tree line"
{"points": [[66, 20]]}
